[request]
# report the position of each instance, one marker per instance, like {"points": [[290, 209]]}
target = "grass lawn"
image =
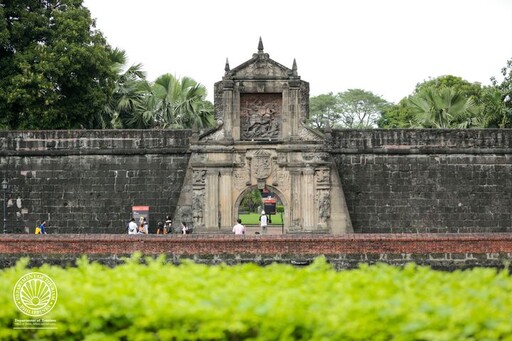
{"points": [[253, 219]]}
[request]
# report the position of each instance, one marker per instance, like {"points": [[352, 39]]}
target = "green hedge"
{"points": [[159, 301]]}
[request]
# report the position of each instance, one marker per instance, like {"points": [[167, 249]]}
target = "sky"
{"points": [[382, 46]]}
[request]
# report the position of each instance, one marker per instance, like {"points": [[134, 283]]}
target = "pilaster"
{"points": [[211, 205]]}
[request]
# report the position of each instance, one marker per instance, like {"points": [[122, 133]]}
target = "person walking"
{"points": [[168, 225], [239, 228], [42, 227], [132, 226], [263, 222], [184, 227]]}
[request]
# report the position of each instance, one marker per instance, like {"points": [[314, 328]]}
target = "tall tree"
{"points": [[323, 110], [129, 93], [354, 108], [502, 106], [397, 116], [458, 84], [54, 67], [360, 109], [442, 102], [443, 108], [180, 103]]}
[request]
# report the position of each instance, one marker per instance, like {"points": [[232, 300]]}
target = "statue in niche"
{"points": [[324, 206], [197, 207], [260, 120]]}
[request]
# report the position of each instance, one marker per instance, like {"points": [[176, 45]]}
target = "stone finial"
{"points": [[294, 67], [260, 46], [226, 67]]}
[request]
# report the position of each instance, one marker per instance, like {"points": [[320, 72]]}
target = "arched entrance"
{"points": [[278, 223], [261, 141]]}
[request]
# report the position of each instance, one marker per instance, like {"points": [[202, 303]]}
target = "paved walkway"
{"points": [[272, 229]]}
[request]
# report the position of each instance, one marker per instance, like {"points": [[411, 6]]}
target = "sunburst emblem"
{"points": [[35, 294]]}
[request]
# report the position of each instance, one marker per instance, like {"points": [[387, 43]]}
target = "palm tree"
{"points": [[444, 108], [180, 103], [130, 90], [495, 114]]}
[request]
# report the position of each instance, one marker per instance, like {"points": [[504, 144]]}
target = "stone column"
{"points": [[308, 200], [293, 105], [286, 116], [235, 125], [225, 198], [296, 200], [211, 204], [227, 103]]}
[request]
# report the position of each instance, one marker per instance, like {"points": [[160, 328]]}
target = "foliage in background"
{"points": [[442, 102], [251, 201], [159, 301], [54, 67], [450, 102], [443, 108], [360, 109], [167, 103], [130, 88], [323, 111], [354, 108], [501, 107], [180, 103], [58, 72]]}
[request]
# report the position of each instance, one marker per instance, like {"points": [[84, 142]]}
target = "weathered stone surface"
{"points": [[87, 181], [416, 181]]}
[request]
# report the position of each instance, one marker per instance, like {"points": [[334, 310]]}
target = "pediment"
{"points": [[260, 66]]}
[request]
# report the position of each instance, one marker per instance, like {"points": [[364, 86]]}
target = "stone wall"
{"points": [[395, 181], [426, 180], [439, 251], [86, 181]]}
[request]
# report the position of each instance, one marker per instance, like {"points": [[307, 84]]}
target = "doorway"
{"points": [[251, 204]]}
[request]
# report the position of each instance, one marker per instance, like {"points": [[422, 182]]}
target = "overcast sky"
{"points": [[384, 46]]}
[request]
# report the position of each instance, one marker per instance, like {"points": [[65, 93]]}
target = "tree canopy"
{"points": [[54, 67], [442, 102], [58, 72], [354, 108], [500, 105]]}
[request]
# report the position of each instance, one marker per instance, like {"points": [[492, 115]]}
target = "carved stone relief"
{"points": [[240, 179], [260, 116], [322, 177], [197, 207], [324, 206], [199, 177], [261, 164]]}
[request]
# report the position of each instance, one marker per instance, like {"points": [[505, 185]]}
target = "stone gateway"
{"points": [[261, 142]]}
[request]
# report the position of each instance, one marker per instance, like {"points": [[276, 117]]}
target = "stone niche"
{"points": [[261, 141]]}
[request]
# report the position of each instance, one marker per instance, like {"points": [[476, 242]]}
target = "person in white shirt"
{"points": [[239, 228], [263, 222], [184, 228], [132, 227]]}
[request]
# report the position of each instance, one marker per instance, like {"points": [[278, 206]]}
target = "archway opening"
{"points": [[253, 203]]}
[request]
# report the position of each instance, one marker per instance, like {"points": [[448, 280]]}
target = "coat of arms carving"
{"points": [[261, 165]]}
